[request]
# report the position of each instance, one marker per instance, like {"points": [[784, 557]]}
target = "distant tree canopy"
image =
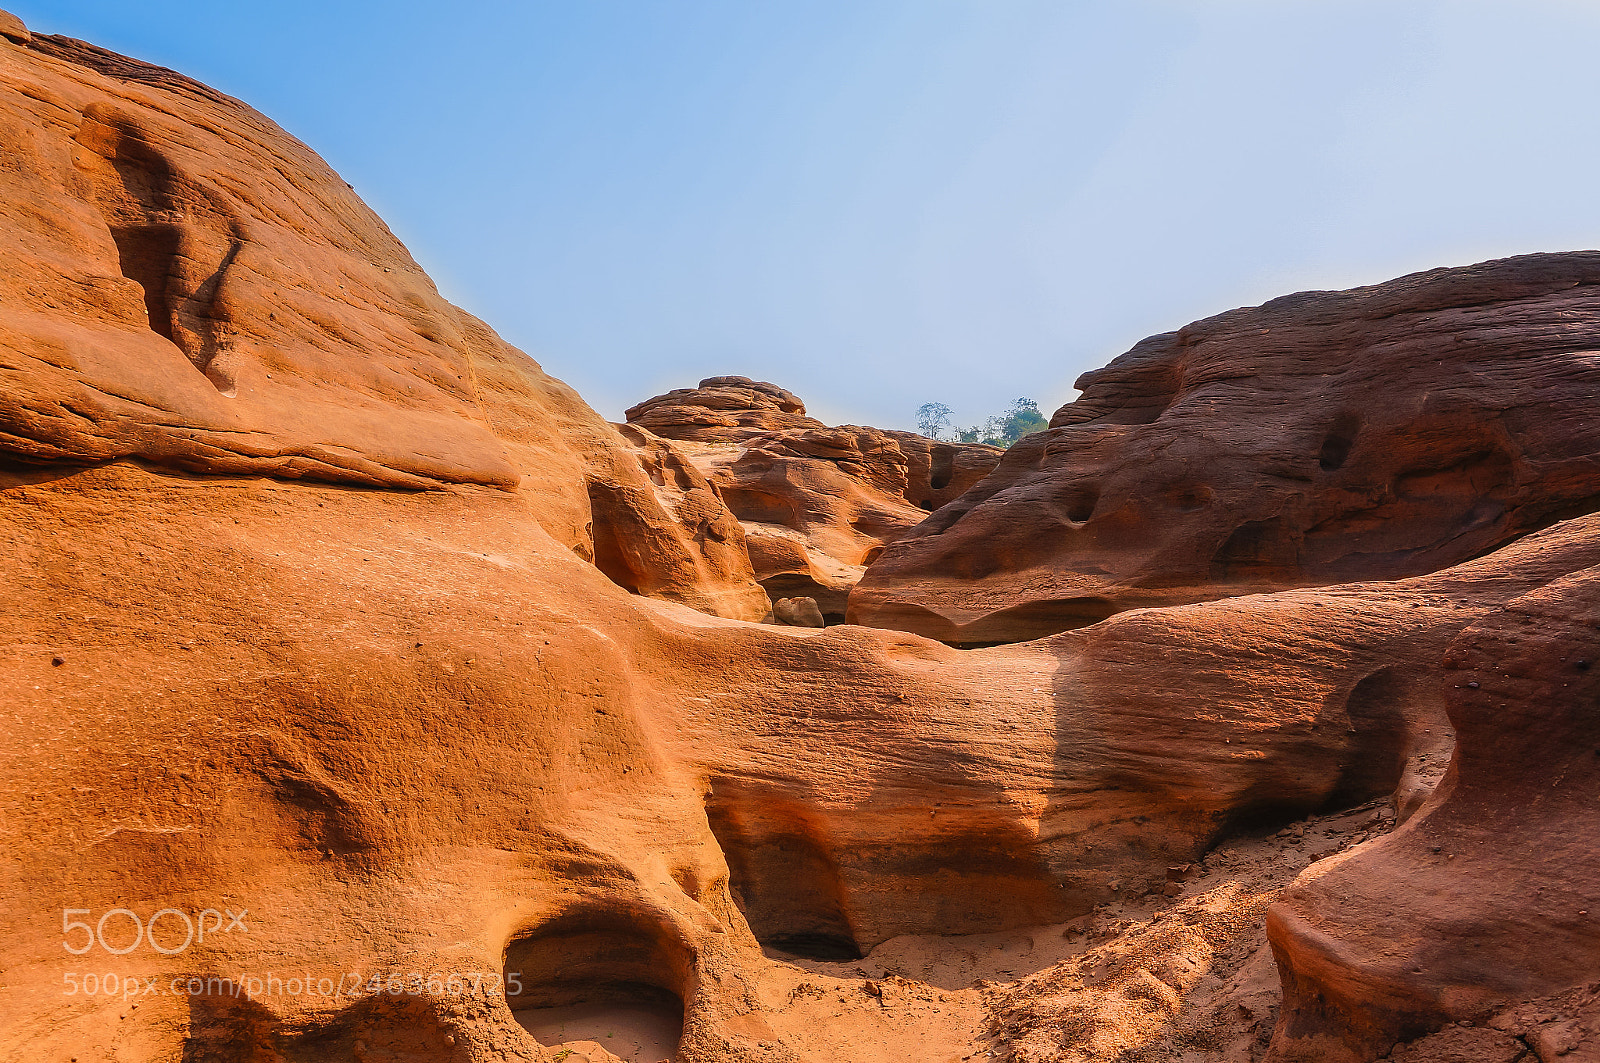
{"points": [[933, 418], [1021, 418]]}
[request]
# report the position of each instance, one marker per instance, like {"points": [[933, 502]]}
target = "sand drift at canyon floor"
{"points": [[326, 606]]}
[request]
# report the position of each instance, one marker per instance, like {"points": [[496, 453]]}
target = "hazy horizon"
{"points": [[881, 204]]}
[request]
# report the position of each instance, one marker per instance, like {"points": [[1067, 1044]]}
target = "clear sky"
{"points": [[878, 203]]}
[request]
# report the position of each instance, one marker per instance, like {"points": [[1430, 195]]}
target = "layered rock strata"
{"points": [[187, 286]]}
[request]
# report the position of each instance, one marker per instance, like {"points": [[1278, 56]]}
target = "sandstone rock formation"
{"points": [[12, 28], [163, 308], [1319, 438], [818, 504], [723, 409], [162, 311], [1492, 894], [666, 534], [335, 655], [938, 473]]}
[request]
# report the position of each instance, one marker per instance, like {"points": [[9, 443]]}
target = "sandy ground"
{"points": [[1181, 975], [599, 1033], [1185, 977]]}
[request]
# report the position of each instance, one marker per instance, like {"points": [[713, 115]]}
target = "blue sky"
{"points": [[878, 203]]}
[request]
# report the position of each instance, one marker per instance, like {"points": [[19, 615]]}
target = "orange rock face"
{"points": [[666, 534], [189, 287], [1320, 438], [166, 309], [939, 473], [361, 713], [818, 504]]}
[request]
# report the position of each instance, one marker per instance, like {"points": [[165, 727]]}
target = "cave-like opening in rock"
{"points": [[943, 467], [146, 254], [599, 975], [1336, 445]]}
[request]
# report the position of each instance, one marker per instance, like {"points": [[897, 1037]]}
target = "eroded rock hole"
{"points": [[165, 230], [944, 463], [146, 254], [1187, 498], [600, 976], [1376, 757], [781, 874], [1256, 550], [1079, 503], [1336, 445], [611, 555]]}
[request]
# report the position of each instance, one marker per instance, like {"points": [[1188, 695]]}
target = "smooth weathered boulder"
{"points": [[798, 612], [1320, 438]]}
